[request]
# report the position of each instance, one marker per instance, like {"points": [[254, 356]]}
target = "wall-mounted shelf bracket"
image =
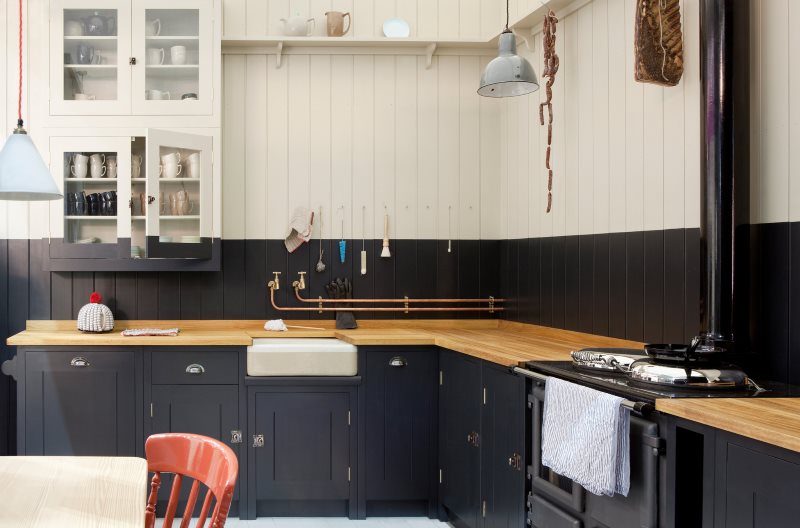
{"points": [[278, 54], [430, 49]]}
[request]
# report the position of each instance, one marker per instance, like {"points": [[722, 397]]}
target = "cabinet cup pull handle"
{"points": [[515, 461], [258, 440], [398, 361], [195, 369], [79, 362]]}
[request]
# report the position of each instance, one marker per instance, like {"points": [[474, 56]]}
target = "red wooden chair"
{"points": [[203, 459]]}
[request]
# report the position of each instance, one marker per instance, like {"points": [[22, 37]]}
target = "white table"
{"points": [[73, 492]]}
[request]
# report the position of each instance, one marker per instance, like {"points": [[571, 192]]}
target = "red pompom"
{"points": [[95, 298]]}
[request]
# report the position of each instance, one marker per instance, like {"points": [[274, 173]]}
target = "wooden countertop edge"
{"points": [[774, 421]]}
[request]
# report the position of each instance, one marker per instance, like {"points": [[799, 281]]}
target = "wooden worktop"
{"points": [[774, 421], [771, 420], [501, 342]]}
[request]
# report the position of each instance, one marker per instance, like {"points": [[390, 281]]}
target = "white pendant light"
{"points": [[508, 74], [23, 174]]}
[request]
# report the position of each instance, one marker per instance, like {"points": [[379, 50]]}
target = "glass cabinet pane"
{"points": [[172, 50], [179, 195], [90, 55]]}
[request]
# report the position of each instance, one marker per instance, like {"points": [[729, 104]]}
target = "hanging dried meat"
{"points": [[658, 42], [550, 69]]}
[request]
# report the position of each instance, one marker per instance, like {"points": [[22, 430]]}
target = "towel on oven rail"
{"points": [[585, 437]]}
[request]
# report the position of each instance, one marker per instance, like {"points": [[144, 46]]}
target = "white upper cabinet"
{"points": [[137, 58], [173, 50]]}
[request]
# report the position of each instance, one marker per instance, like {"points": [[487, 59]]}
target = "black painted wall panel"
{"points": [[654, 286], [546, 281], [634, 286], [674, 285], [586, 310], [601, 282]]}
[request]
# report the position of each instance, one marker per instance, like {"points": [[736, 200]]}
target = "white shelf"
{"points": [[178, 180], [90, 180], [91, 66], [91, 38], [139, 180], [179, 217], [162, 38], [73, 217]]}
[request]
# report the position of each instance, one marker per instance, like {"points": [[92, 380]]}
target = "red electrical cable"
{"points": [[19, 100]]}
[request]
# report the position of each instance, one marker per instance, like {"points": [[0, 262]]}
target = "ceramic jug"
{"points": [[336, 23], [297, 26]]}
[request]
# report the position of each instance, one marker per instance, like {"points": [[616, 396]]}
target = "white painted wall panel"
{"points": [[255, 142], [233, 146], [320, 139], [277, 151]]}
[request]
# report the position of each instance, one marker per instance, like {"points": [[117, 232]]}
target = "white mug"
{"points": [[152, 28], [193, 165], [83, 97], [73, 28], [97, 158], [178, 54], [155, 55], [136, 160], [174, 157], [112, 170], [98, 170], [78, 170], [80, 159], [170, 170], [136, 170], [156, 95]]}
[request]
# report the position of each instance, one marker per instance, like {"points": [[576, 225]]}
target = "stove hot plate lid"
{"points": [[607, 359], [701, 376]]}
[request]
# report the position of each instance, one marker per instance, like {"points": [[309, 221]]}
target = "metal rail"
{"points": [[640, 408]]}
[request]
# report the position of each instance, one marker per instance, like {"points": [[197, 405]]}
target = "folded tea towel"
{"points": [[275, 325], [585, 437], [137, 332], [300, 226]]}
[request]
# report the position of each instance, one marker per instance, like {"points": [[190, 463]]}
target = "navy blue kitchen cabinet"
{"points": [[503, 448], [756, 484], [482, 454], [460, 400], [79, 401], [400, 386], [302, 449], [195, 390]]}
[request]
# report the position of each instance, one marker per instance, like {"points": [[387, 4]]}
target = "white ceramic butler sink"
{"points": [[301, 357]]}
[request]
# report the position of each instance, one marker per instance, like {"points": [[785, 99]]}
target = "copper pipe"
{"points": [[397, 309], [432, 301]]}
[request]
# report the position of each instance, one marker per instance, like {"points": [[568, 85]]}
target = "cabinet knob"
{"points": [[79, 362], [132, 61], [398, 361], [515, 461], [258, 440], [236, 436], [473, 439], [195, 369]]}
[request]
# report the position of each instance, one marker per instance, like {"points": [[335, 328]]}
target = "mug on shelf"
{"points": [[335, 24], [170, 170], [80, 166], [193, 165], [156, 95], [98, 158], [73, 28], [173, 157], [97, 170], [152, 28], [155, 55], [178, 54], [111, 163]]}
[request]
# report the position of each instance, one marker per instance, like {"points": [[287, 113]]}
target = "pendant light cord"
{"points": [[508, 10], [19, 99]]}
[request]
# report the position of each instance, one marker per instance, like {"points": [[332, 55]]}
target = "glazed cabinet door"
{"points": [[401, 412], [179, 215], [90, 46], [94, 220], [503, 449], [460, 436], [173, 43], [81, 403]]}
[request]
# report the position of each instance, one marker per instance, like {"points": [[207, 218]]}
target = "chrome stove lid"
{"points": [[701, 375], [610, 359]]}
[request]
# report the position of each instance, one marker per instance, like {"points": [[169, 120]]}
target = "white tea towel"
{"points": [[139, 332], [275, 325], [585, 437], [301, 226]]}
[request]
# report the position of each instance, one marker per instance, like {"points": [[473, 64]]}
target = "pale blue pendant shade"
{"points": [[23, 173], [508, 74]]}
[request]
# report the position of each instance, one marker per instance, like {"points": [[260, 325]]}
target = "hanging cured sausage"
{"points": [[658, 42], [550, 69]]}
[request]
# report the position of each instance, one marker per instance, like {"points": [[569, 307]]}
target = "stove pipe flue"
{"points": [[725, 167]]}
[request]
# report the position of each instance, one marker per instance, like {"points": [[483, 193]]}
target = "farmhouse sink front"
{"points": [[301, 357]]}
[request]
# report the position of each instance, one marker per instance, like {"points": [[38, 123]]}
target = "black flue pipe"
{"points": [[725, 167]]}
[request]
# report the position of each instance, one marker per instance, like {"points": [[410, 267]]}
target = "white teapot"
{"points": [[297, 26]]}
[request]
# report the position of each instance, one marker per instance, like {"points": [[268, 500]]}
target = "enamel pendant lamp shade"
{"points": [[23, 173], [508, 74]]}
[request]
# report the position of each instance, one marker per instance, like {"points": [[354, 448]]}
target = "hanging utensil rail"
{"points": [[300, 284]]}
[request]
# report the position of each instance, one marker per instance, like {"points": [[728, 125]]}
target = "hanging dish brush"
{"points": [[363, 242], [320, 264], [385, 253], [342, 242]]}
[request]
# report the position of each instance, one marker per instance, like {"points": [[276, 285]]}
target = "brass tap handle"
{"points": [[275, 284], [301, 283]]}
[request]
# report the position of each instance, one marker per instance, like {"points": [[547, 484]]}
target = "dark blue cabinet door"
{"points": [[400, 420], [306, 448], [209, 410], [81, 403], [459, 436], [758, 490], [503, 449]]}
